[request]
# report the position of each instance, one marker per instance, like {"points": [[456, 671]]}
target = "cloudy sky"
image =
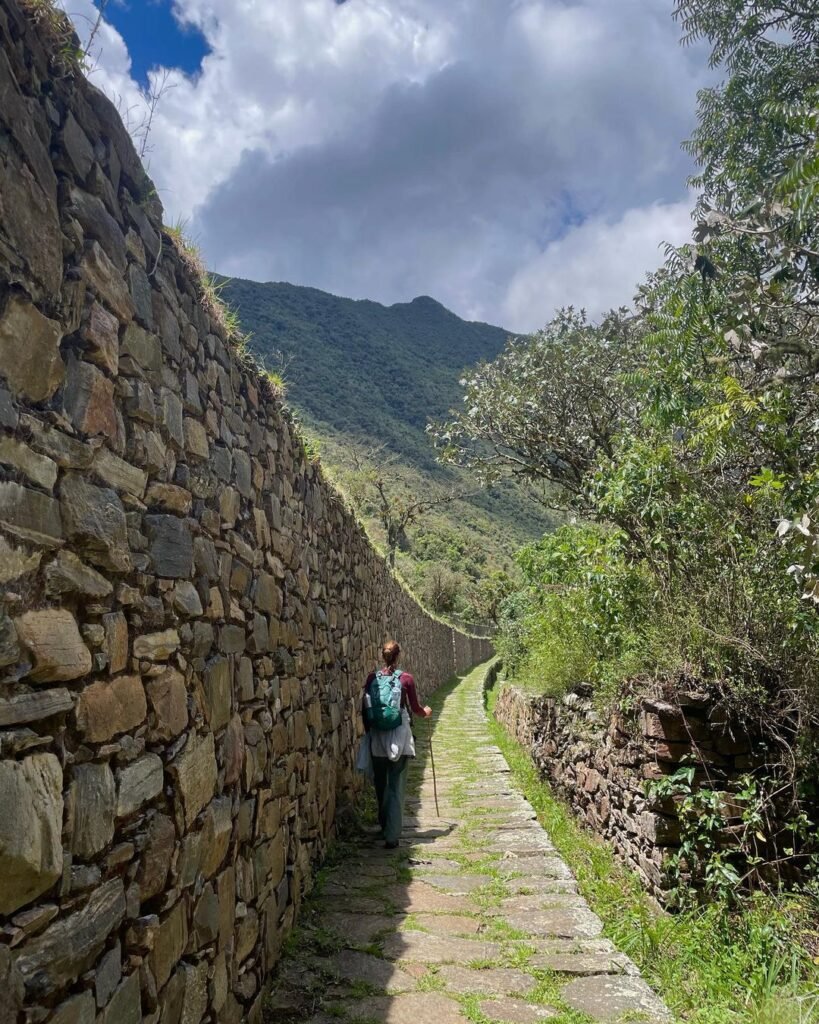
{"points": [[504, 156]]}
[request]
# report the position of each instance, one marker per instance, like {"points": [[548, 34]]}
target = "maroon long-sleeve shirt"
{"points": [[409, 695]]}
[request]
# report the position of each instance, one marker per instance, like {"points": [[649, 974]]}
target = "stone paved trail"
{"points": [[475, 918]]}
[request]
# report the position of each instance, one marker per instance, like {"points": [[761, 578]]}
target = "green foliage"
{"points": [[728, 840], [548, 407], [311, 446], [441, 588], [58, 34], [399, 364], [723, 962], [578, 613]]}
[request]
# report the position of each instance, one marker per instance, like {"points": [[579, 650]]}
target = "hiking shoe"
{"points": [[391, 846]]}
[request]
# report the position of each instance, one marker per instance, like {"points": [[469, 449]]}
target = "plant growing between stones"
{"points": [[58, 34], [733, 841]]}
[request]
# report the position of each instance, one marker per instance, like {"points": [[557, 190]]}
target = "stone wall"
{"points": [[601, 767], [188, 610]]}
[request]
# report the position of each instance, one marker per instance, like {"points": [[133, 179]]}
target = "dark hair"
{"points": [[390, 653]]}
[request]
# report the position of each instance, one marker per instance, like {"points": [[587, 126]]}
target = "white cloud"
{"points": [[595, 266], [387, 148]]}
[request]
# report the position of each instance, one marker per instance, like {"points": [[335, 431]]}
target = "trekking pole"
{"points": [[434, 780]]}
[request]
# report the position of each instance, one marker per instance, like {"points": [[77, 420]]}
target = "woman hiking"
{"points": [[390, 700]]}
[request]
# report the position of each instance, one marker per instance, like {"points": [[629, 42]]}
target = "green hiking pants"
{"points": [[390, 785]]}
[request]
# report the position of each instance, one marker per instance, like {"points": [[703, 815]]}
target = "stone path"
{"points": [[476, 917]]}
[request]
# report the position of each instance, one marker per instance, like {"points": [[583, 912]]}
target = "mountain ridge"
{"points": [[413, 352]]}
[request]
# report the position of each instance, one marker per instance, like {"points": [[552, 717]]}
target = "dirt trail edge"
{"points": [[475, 918]]}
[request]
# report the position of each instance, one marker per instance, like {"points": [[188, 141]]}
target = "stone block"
{"points": [[71, 945], [39, 469], [234, 750], [222, 462], [98, 223], [187, 864], [672, 727], [226, 891], [242, 469], [100, 332], [139, 783], [206, 918], [108, 974], [68, 575], [94, 521], [216, 833], [116, 641], [156, 857], [172, 420], [186, 600], [30, 351], [77, 147], [30, 515], [8, 414], [91, 804], [218, 693], [169, 498], [76, 1010], [10, 650], [170, 944], [143, 348], [109, 707], [157, 646], [196, 439], [195, 771], [88, 400], [269, 596], [168, 327], [171, 546], [232, 639], [31, 817], [195, 998], [119, 474], [33, 707], [53, 640], [126, 1003], [168, 697], [140, 289], [29, 212], [107, 282]]}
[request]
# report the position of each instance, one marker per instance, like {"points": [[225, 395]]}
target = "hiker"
{"points": [[390, 700]]}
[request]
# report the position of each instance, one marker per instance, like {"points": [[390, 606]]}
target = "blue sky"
{"points": [[504, 156], [155, 37]]}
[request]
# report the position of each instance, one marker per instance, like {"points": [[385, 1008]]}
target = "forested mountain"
{"points": [[360, 368], [365, 379]]}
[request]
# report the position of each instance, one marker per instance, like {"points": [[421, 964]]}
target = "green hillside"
{"points": [[361, 368], [362, 375]]}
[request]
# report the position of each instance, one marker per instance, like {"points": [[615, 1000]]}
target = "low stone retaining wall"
{"points": [[188, 610], [600, 767]]}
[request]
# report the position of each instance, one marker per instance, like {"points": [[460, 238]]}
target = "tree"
{"points": [[491, 592], [549, 407], [441, 588], [376, 489]]}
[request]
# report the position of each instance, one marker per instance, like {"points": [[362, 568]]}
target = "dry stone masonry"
{"points": [[600, 766], [188, 610]]}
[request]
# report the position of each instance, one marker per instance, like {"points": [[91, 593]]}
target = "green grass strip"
{"points": [[713, 965]]}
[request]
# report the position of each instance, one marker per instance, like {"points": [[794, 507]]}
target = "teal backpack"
{"points": [[383, 703]]}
